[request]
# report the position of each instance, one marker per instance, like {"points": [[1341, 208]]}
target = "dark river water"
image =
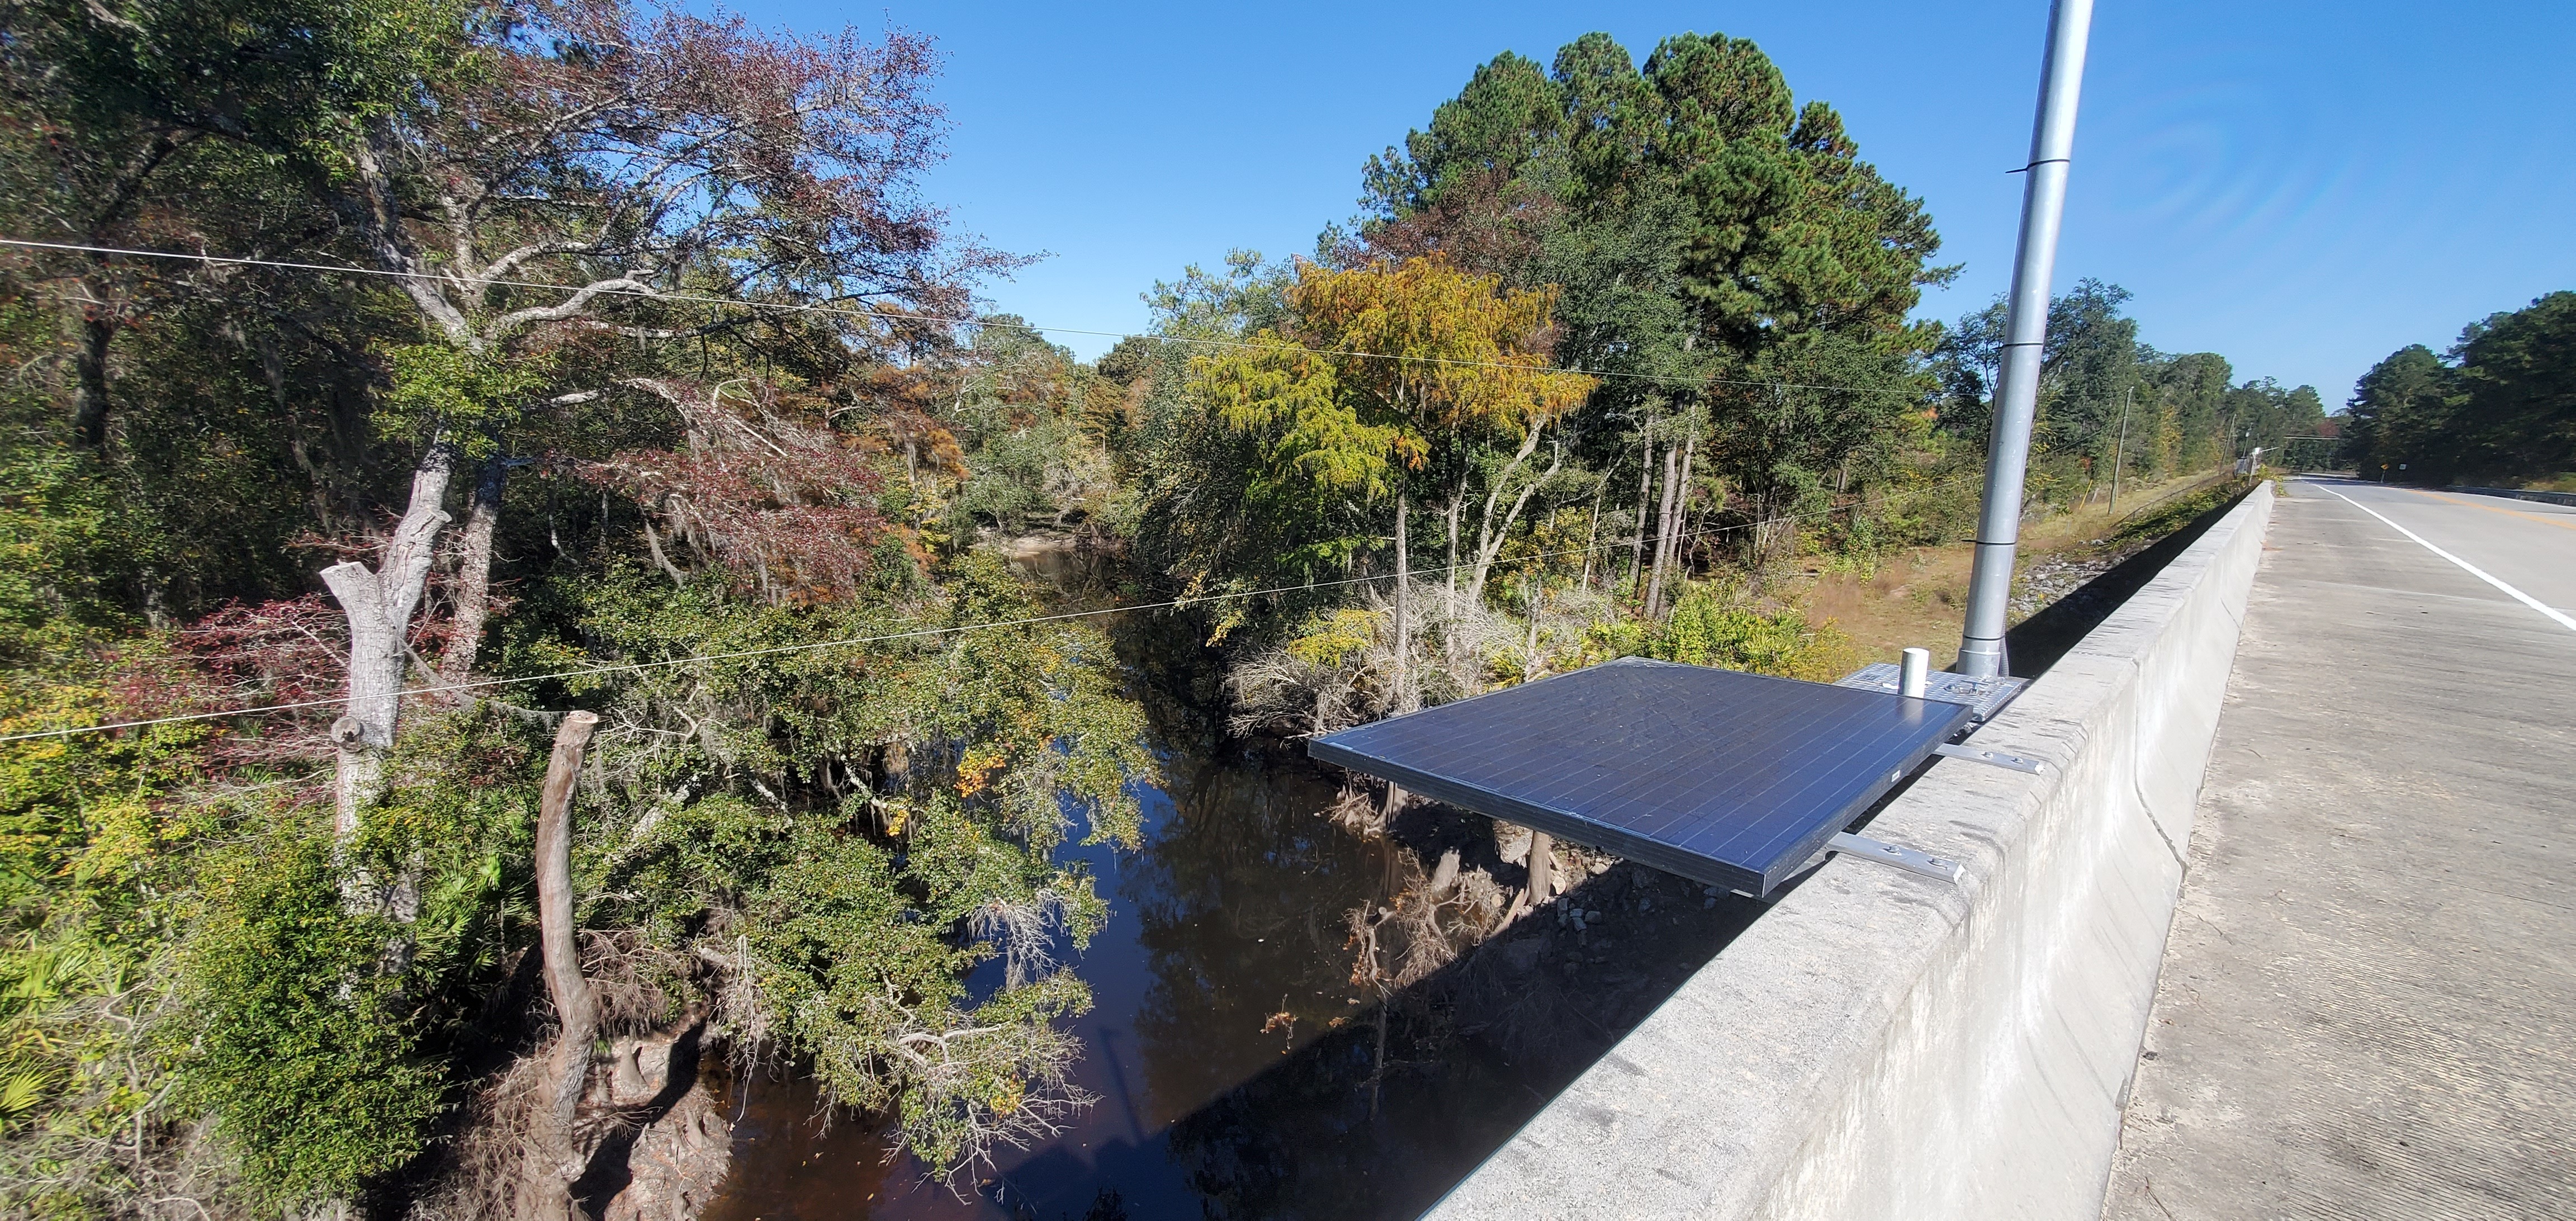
{"points": [[1239, 1070]]}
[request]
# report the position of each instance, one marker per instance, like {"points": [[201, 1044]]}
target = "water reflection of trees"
{"points": [[1264, 1087], [1472, 1051], [1263, 1057], [1242, 905], [1298, 1140]]}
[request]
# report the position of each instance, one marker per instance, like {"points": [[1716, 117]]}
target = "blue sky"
{"points": [[2301, 187]]}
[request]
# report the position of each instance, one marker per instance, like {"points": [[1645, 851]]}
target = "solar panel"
{"points": [[1726, 778]]}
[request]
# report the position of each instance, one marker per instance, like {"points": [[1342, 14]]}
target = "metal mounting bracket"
{"points": [[1903, 858], [1987, 696], [1979, 754]]}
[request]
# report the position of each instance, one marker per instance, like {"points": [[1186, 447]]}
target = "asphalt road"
{"points": [[2368, 1002]]}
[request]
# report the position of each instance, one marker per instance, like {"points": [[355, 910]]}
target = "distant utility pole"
{"points": [[2043, 208], [2127, 397]]}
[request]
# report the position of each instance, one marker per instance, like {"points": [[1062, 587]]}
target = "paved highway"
{"points": [[2527, 545], [2369, 991]]}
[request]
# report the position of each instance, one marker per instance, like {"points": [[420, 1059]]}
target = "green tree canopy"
{"points": [[2106, 399], [1774, 228], [1379, 378], [2500, 406]]}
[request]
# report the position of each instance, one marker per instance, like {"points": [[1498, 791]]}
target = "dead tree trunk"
{"points": [[1404, 697], [556, 1162], [1449, 631], [1445, 875], [1670, 564], [1592, 537], [379, 606], [474, 574], [1456, 502], [1542, 868], [1491, 535], [1663, 533], [1529, 647], [1637, 541]]}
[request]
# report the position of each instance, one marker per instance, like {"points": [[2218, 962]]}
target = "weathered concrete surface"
{"points": [[1880, 1045], [2369, 998]]}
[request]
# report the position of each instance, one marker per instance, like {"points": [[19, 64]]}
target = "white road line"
{"points": [[2472, 569]]}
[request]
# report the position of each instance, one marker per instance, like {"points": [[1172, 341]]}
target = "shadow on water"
{"points": [[1240, 1067]]}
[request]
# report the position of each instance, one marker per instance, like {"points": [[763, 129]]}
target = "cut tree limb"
{"points": [[1542, 868], [379, 606], [557, 1161], [1540, 858], [1445, 875]]}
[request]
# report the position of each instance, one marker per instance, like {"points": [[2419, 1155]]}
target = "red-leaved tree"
{"points": [[773, 504], [599, 171]]}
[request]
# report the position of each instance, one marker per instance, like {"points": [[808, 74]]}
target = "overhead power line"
{"points": [[862, 311], [636, 667]]}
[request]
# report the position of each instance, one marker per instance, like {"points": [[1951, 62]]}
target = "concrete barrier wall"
{"points": [[2554, 498], [1880, 1045]]}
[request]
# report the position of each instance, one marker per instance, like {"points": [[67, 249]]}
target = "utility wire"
{"points": [[919, 633], [900, 316]]}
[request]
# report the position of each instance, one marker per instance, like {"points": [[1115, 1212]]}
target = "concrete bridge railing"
{"points": [[2553, 498], [1881, 1045]]}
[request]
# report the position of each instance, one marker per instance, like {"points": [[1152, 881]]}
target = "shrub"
{"points": [[305, 1047], [1707, 631]]}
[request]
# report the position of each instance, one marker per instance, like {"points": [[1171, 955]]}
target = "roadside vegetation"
{"points": [[640, 381], [2497, 408], [1757, 408], [654, 390]]}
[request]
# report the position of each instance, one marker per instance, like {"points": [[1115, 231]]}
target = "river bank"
{"points": [[1240, 1061], [1260, 1045]]}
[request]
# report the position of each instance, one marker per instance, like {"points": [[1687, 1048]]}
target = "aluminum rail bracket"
{"points": [[1979, 754], [1907, 859]]}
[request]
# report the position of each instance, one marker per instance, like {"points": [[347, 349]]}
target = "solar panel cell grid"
{"points": [[1728, 778]]}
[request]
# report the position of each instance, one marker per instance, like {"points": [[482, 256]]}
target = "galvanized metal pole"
{"points": [[2043, 208]]}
